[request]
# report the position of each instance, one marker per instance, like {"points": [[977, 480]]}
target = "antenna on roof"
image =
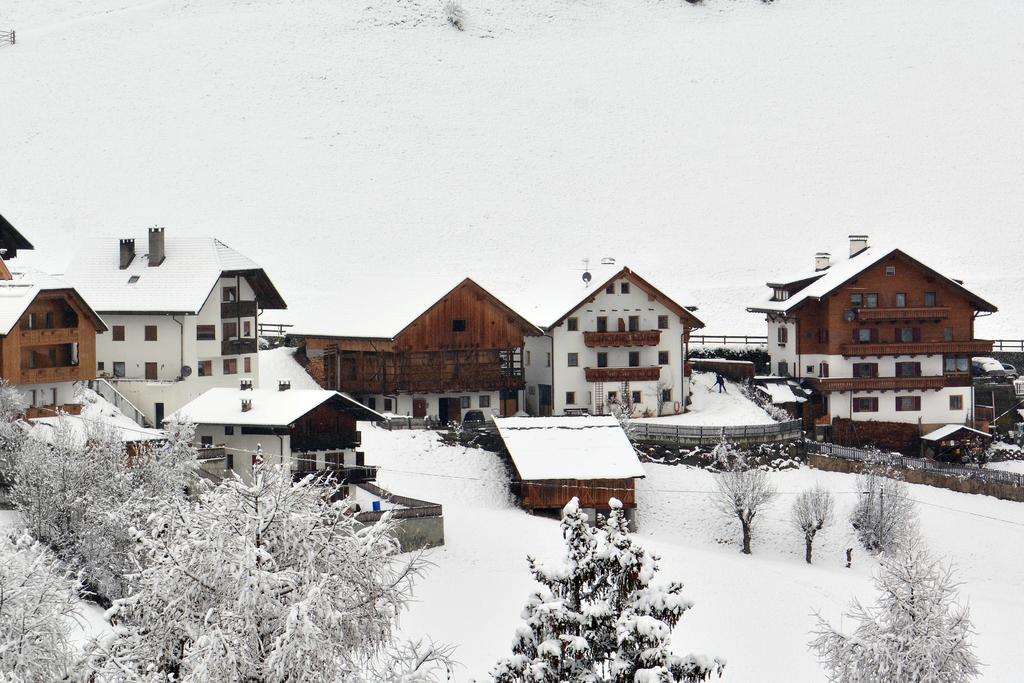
{"points": [[608, 261]]}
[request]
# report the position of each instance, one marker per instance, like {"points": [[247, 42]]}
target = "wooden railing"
{"points": [[411, 508], [235, 347], [904, 313], [697, 435], [1008, 345], [238, 309], [650, 374], [68, 373], [326, 441], [916, 348], [879, 383], [617, 339], [728, 340], [54, 335]]}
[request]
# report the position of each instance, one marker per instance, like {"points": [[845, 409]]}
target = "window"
{"points": [[528, 357], [573, 324], [458, 325], [151, 371], [206, 368], [229, 461], [118, 332], [955, 364], [929, 298], [865, 335], [634, 359], [783, 335], [99, 366], [870, 301], [613, 397], [602, 323], [118, 368], [624, 288], [666, 395], [464, 402], [907, 403], [49, 320], [387, 405], [947, 334], [206, 332], [634, 323], [230, 366], [865, 369], [229, 294], [662, 357], [907, 335], [823, 336], [246, 328], [247, 364], [901, 300], [856, 300], [570, 398], [956, 402], [230, 331], [206, 441], [823, 370], [865, 405], [610, 289], [908, 369], [783, 368], [662, 322], [484, 400], [574, 360], [602, 359], [547, 358], [637, 397], [890, 271], [229, 430]]}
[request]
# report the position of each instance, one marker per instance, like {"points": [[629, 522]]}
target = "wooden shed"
{"points": [[954, 442]]}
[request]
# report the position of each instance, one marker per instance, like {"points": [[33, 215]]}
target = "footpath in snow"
{"points": [[711, 408]]}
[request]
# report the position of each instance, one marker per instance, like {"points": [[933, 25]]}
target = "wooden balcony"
{"points": [[651, 374], [235, 347], [879, 384], [68, 373], [43, 337], [904, 313], [238, 309], [619, 339], [325, 441], [917, 348]]}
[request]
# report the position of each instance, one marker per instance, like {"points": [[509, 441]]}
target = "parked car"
{"points": [[983, 366], [1011, 371], [474, 418]]}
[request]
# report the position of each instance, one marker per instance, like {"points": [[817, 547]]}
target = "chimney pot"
{"points": [[156, 246], [245, 384], [246, 405], [858, 243], [284, 384], [127, 251], [822, 260]]}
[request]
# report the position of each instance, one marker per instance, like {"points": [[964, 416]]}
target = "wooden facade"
{"points": [[554, 494]]}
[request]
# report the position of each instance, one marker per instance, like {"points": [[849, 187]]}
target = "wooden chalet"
{"points": [[464, 351]]}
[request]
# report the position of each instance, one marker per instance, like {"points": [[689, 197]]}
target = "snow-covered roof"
{"points": [[781, 393], [270, 407], [280, 364], [18, 293], [180, 284], [588, 447], [79, 427], [948, 430]]}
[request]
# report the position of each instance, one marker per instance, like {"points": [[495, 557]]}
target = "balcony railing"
{"points": [[67, 373], [238, 309], [880, 384], [651, 374], [917, 348], [904, 313], [326, 441], [55, 335], [235, 347], [617, 339]]}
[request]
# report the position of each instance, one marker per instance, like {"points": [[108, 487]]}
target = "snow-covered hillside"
{"points": [[753, 610], [360, 150]]}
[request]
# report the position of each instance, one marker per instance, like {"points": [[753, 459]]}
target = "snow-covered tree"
{"points": [[726, 455], [268, 581], [39, 603], [12, 404], [597, 616], [454, 14], [885, 516], [742, 493], [812, 511], [918, 632]]}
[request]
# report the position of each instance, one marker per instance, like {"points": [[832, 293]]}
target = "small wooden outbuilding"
{"points": [[954, 442]]}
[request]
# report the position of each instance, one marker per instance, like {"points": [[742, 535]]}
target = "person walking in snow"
{"points": [[720, 383]]}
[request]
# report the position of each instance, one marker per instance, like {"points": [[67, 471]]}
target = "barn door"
{"points": [[443, 414], [419, 407]]}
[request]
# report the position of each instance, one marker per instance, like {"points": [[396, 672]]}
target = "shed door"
{"points": [[419, 407]]}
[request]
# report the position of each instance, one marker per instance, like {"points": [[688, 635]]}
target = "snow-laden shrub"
{"points": [[811, 512], [454, 14], [885, 516], [742, 493], [268, 581], [918, 631], [598, 616], [39, 604]]}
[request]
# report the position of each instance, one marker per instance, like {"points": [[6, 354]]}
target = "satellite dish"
{"points": [[850, 315], [587, 277], [186, 371]]}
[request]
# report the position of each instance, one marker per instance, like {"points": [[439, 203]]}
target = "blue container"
{"points": [[376, 506]]}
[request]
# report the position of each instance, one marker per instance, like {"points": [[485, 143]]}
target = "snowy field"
{"points": [[754, 611], [358, 150], [713, 408]]}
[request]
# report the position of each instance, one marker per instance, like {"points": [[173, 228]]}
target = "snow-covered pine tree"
{"points": [[597, 617], [269, 581], [917, 632]]}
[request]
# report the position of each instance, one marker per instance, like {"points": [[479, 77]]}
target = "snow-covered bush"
{"points": [[811, 512], [269, 581], [885, 516], [454, 14], [597, 616], [742, 493], [917, 631], [38, 607], [12, 403]]}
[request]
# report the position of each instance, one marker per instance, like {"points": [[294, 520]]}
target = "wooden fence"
{"points": [[695, 435], [728, 340]]}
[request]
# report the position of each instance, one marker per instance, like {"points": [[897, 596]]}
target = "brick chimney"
{"points": [[858, 243], [156, 246], [127, 252], [822, 261]]}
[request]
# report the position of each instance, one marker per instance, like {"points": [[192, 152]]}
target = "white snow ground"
{"points": [[358, 150], [755, 611], [712, 408]]}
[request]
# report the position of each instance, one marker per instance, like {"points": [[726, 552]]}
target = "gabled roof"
{"points": [[949, 430], [11, 240], [822, 283], [529, 329], [582, 448], [651, 290], [180, 284], [270, 408], [18, 293]]}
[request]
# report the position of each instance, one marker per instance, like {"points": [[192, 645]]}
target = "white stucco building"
{"points": [[624, 342], [182, 316]]}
